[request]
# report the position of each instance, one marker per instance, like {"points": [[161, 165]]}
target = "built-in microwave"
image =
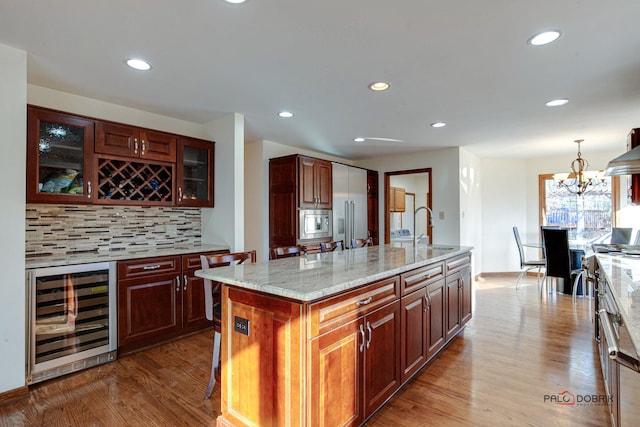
{"points": [[315, 224]]}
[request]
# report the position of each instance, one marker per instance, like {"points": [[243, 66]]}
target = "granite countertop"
{"points": [[315, 276], [623, 276], [121, 254]]}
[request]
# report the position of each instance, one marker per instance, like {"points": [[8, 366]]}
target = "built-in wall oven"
{"points": [[315, 224], [71, 319]]}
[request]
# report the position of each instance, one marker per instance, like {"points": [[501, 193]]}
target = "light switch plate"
{"points": [[441, 215]]}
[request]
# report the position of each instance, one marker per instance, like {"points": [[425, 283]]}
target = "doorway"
{"points": [[411, 189]]}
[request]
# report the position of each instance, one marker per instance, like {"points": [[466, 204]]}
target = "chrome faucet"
{"points": [[429, 217]]}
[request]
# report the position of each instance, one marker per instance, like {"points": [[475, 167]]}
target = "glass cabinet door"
{"points": [[59, 148], [195, 173]]}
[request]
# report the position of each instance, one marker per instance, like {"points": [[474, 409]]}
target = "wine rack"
{"points": [[124, 181]]}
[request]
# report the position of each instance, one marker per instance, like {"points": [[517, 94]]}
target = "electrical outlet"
{"points": [[441, 215], [172, 229]]}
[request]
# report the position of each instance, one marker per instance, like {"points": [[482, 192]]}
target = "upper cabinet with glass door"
{"points": [[195, 172], [59, 157]]}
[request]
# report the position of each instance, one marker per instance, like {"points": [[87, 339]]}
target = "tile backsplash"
{"points": [[61, 229]]}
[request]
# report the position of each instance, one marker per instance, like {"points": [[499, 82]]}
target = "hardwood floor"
{"points": [[517, 349]]}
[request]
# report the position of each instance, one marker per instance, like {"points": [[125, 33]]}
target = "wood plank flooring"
{"points": [[517, 349]]}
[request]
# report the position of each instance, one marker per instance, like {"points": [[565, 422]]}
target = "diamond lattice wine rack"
{"points": [[135, 182]]}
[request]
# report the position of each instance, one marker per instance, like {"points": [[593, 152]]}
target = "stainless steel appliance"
{"points": [[71, 319], [619, 358], [315, 224], [349, 203]]}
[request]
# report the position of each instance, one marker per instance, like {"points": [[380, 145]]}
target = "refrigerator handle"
{"points": [[352, 214], [347, 224]]}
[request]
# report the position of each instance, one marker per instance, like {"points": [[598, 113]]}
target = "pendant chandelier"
{"points": [[579, 180]]}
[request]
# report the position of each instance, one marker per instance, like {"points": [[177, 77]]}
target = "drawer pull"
{"points": [[426, 276], [363, 302], [151, 267]]}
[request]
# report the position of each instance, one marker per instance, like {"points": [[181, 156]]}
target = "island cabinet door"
{"points": [[465, 296], [436, 310], [453, 305], [382, 356], [414, 332], [336, 386]]}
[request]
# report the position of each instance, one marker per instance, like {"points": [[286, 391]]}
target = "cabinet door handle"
{"points": [[363, 339], [142, 152], [184, 282], [177, 283], [135, 145], [179, 194], [427, 302], [370, 333], [151, 267], [88, 189], [364, 302]]}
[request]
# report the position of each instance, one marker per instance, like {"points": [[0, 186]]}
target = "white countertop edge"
{"points": [[120, 255], [228, 275]]}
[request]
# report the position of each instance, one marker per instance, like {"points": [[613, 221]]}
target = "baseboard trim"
{"points": [[15, 394]]}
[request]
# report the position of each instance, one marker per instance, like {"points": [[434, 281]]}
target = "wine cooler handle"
{"points": [[88, 189]]}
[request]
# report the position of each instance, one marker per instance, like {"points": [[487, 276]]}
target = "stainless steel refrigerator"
{"points": [[349, 203]]}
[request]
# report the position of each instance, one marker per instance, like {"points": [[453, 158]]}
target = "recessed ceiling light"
{"points": [[375, 138], [544, 38], [138, 64], [379, 86], [556, 102], [235, 1], [438, 125], [285, 114]]}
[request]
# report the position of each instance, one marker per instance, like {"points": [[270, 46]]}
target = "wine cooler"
{"points": [[71, 319]]}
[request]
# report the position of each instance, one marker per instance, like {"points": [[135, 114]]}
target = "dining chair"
{"points": [[526, 264], [361, 243], [331, 246], [212, 304], [586, 276], [621, 235], [557, 257], [286, 252]]}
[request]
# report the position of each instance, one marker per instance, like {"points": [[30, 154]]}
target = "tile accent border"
{"points": [[63, 229]]}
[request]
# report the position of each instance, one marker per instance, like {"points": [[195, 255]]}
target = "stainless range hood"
{"points": [[626, 164]]}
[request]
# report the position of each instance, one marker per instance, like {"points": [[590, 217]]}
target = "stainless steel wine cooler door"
{"points": [[72, 319]]}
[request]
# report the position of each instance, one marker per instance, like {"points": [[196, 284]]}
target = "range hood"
{"points": [[626, 164]]}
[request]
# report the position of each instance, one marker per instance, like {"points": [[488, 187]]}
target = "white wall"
{"points": [[471, 206], [257, 155], [13, 98], [224, 223], [444, 166]]}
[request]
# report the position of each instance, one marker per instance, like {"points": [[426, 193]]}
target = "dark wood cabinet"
{"points": [[423, 317], [436, 333], [159, 299], [59, 157], [194, 177], [123, 140], [458, 294], [633, 140], [315, 183], [296, 182], [80, 160], [373, 221]]}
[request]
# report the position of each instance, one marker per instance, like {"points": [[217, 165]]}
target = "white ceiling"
{"points": [[463, 62]]}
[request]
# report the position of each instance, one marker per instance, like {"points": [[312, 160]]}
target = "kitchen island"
{"points": [[327, 339]]}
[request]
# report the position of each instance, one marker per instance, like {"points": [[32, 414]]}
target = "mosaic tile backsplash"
{"points": [[61, 229]]}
